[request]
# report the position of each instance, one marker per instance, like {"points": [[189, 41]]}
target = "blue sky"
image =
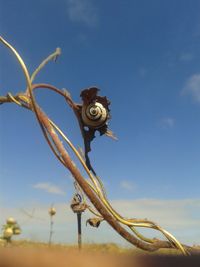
{"points": [[145, 57]]}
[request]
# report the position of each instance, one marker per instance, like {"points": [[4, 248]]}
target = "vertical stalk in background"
{"points": [[79, 230], [51, 230], [52, 212], [78, 206]]}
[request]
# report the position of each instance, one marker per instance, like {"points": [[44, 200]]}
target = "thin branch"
{"points": [[130, 223], [53, 56], [95, 194]]}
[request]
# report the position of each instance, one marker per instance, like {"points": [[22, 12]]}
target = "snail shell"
{"points": [[94, 115]]}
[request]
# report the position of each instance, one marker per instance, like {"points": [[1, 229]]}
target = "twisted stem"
{"points": [[94, 190]]}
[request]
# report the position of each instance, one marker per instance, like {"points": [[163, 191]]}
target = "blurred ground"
{"points": [[29, 254]]}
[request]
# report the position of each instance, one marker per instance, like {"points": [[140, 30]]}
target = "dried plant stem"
{"points": [[95, 192], [53, 56], [100, 204], [51, 230], [93, 197], [79, 230]]}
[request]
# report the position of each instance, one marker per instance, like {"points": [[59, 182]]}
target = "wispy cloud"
{"points": [[82, 11], [167, 122], [180, 217], [142, 72], [49, 188], [127, 185], [173, 214], [185, 57], [37, 229], [192, 87]]}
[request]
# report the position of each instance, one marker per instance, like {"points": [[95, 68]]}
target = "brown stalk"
{"points": [[27, 100], [65, 159], [92, 196]]}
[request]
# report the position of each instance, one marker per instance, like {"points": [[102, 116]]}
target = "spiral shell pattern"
{"points": [[94, 115]]}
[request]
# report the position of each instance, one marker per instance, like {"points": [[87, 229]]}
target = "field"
{"points": [[29, 254]]}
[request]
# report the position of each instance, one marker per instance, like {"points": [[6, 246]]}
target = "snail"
{"points": [[94, 115], [95, 111]]}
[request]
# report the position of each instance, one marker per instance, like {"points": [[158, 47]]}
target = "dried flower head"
{"points": [[8, 232], [10, 221], [16, 229], [52, 211]]}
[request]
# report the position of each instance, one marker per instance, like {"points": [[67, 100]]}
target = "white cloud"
{"points": [[40, 215], [82, 11], [167, 122], [180, 217], [127, 185], [49, 188], [172, 214], [37, 227], [192, 87]]}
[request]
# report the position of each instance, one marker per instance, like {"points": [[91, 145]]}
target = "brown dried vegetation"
{"points": [[58, 256]]}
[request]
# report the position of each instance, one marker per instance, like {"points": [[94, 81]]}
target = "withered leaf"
{"points": [[94, 222], [110, 134], [89, 135], [89, 95]]}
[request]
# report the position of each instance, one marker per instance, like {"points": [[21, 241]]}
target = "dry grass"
{"points": [[30, 254]]}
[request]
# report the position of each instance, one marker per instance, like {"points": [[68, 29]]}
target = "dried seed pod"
{"points": [[94, 222], [10, 221], [77, 205], [8, 232], [16, 229], [52, 211]]}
